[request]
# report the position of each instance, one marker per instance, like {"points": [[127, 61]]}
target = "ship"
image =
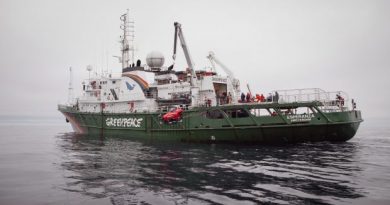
{"points": [[156, 102]]}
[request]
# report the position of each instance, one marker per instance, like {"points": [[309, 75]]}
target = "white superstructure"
{"points": [[153, 87]]}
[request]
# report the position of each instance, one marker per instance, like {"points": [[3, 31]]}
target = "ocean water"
{"points": [[43, 162]]}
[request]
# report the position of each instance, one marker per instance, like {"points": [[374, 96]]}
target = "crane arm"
{"points": [[234, 82], [179, 33], [213, 59], [175, 43]]}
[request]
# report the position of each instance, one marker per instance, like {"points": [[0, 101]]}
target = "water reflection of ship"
{"points": [[138, 171]]}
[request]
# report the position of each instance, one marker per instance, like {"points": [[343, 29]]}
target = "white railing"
{"points": [[66, 107], [330, 100]]}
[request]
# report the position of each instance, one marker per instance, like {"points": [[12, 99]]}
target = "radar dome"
{"points": [[155, 59], [89, 68]]}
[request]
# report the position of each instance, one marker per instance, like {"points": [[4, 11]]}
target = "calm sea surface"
{"points": [[43, 162]]}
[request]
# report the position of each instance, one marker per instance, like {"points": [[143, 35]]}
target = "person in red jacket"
{"points": [[258, 98], [262, 98]]}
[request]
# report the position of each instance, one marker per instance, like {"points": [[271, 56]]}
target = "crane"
{"points": [[234, 81], [190, 63]]}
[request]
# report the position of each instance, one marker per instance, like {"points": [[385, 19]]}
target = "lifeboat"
{"points": [[174, 115]]}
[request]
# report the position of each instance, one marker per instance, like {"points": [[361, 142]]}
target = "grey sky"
{"points": [[333, 45]]}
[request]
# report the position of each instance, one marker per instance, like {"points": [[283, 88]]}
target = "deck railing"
{"points": [[67, 107], [332, 101]]}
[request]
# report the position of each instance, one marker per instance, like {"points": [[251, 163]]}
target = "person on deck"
{"points": [[339, 100], [229, 98], [242, 97], [276, 97], [269, 98], [224, 98], [207, 102], [262, 98], [248, 97], [257, 99], [353, 104]]}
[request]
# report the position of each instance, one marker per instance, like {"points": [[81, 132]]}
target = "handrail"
{"points": [[330, 100]]}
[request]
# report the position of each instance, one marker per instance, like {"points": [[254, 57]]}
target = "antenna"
{"points": [[102, 65], [89, 69], [70, 89], [128, 35], [106, 62]]}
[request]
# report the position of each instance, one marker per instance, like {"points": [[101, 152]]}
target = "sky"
{"points": [[270, 45]]}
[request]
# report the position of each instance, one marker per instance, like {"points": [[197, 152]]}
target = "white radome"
{"points": [[155, 59], [89, 68]]}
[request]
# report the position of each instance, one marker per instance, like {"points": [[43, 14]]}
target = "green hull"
{"points": [[196, 127]]}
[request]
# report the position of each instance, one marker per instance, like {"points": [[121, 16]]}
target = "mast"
{"points": [[70, 89], [128, 35]]}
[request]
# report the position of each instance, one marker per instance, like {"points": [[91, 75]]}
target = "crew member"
{"points": [[242, 97], [262, 98], [248, 97]]}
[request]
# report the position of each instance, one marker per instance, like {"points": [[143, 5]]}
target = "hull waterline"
{"points": [[199, 129]]}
